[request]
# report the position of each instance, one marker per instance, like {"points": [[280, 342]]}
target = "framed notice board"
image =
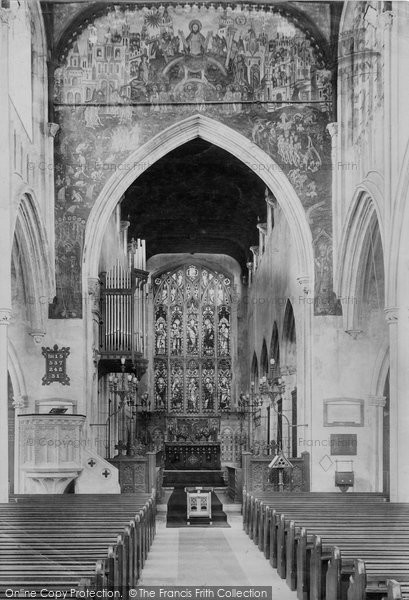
{"points": [[343, 444], [55, 365]]}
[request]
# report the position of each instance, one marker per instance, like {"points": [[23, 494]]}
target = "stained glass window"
{"points": [[192, 363]]}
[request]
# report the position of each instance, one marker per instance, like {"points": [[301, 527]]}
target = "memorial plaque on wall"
{"points": [[343, 444], [343, 412], [55, 365]]}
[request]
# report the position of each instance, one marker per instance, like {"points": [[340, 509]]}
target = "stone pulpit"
{"points": [[50, 449]]}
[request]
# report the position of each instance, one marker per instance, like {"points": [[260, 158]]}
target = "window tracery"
{"points": [[192, 344]]}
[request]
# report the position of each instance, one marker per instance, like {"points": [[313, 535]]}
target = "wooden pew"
{"points": [[55, 541], [285, 542], [306, 562], [253, 506]]}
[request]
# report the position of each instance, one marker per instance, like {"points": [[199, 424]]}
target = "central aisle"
{"points": [[204, 556]]}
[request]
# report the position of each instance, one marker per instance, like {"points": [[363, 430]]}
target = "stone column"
{"points": [[262, 232], [246, 465], [377, 403], [337, 205], [289, 375], [392, 318], [53, 129], [92, 318], [255, 250], [5, 247], [271, 205], [304, 361], [19, 405]]}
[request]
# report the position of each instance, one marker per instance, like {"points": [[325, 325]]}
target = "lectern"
{"points": [[199, 503]]}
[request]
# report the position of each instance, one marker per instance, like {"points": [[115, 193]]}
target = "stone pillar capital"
{"points": [[354, 333], [53, 129], [333, 130], [5, 15], [287, 370], [37, 335], [386, 19], [19, 402], [5, 316], [377, 401], [391, 315], [305, 283]]}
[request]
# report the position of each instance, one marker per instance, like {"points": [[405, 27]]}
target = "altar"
{"points": [[192, 456]]}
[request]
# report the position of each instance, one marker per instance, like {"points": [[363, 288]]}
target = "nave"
{"points": [[205, 283], [310, 546], [210, 557]]}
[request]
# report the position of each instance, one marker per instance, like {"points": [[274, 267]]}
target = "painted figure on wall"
{"points": [[134, 71], [195, 43], [325, 301]]}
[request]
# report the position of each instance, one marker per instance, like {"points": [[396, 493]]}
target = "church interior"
{"points": [[204, 312]]}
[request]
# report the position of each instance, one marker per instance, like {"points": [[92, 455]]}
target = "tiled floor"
{"points": [[206, 556]]}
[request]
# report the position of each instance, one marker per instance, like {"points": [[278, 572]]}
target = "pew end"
{"points": [[357, 581], [397, 590]]}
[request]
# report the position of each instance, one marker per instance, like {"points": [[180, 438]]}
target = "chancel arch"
{"points": [[161, 145], [173, 137]]}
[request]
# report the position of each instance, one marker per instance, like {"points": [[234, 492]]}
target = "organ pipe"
{"points": [[123, 299]]}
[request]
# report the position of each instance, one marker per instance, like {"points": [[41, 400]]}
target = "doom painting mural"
{"points": [[132, 72], [200, 301]]}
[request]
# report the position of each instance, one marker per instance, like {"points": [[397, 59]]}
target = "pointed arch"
{"points": [[361, 234], [264, 360], [380, 370], [289, 337], [30, 245], [254, 370], [275, 346], [223, 137]]}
